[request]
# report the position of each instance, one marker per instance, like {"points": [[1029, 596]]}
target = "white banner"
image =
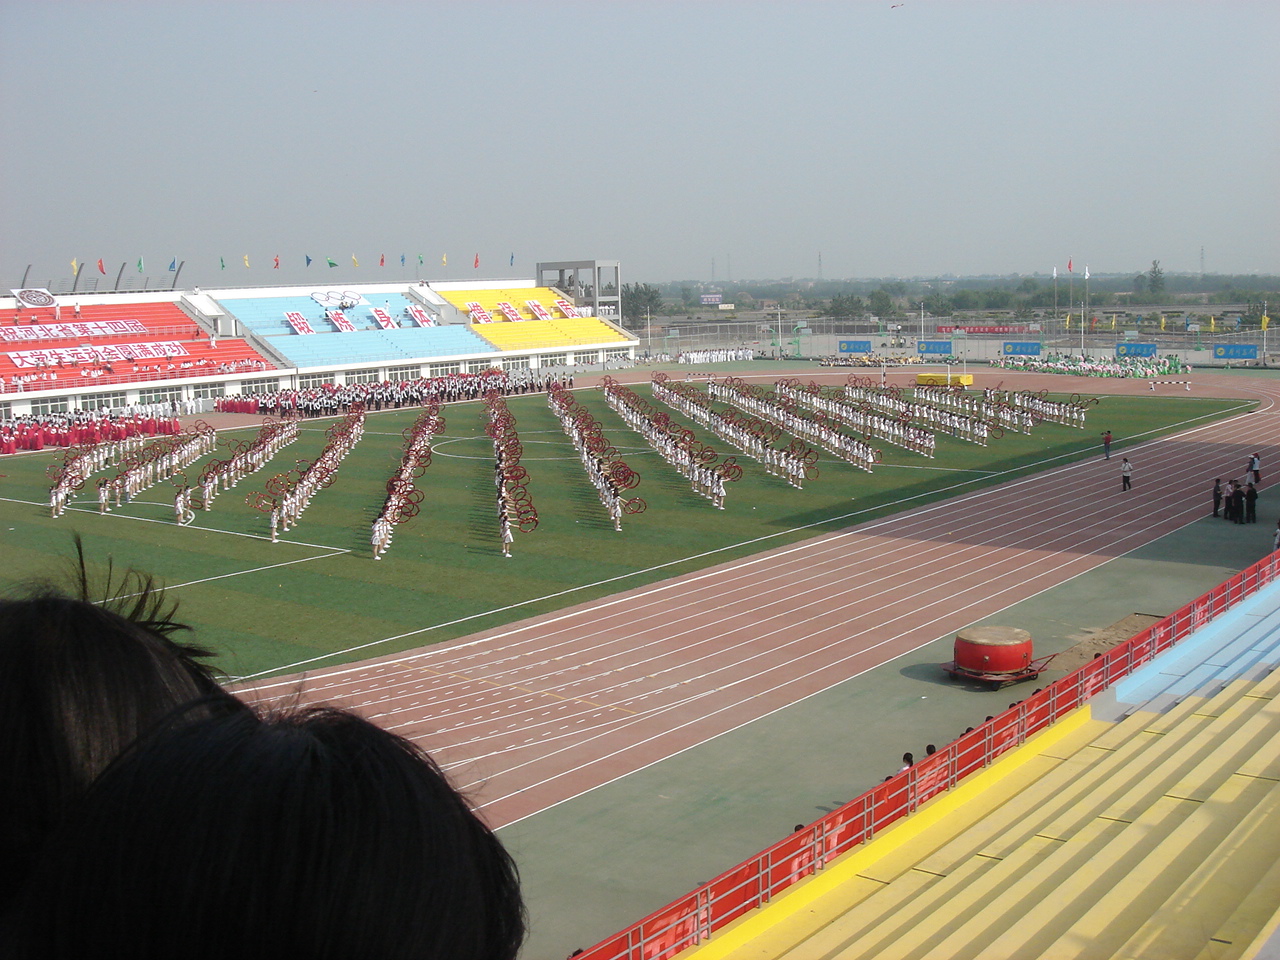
{"points": [[63, 331], [121, 353]]}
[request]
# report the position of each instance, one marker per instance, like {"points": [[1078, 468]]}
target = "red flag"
{"points": [[477, 263], [382, 260], [277, 266], [1069, 270], [101, 268]]}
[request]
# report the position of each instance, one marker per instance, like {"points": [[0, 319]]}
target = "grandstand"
{"points": [[96, 342], [1140, 823], [112, 350]]}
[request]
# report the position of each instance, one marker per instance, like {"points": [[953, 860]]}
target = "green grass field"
{"points": [[317, 598]]}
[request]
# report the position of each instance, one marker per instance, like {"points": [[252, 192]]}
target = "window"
{"points": [[623, 354], [361, 376], [515, 363], [404, 373], [479, 366], [40, 408], [160, 395], [6, 411], [314, 380], [207, 391], [590, 357], [259, 386], [444, 369], [554, 360], [103, 401]]}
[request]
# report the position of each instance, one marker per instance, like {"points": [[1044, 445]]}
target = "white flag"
{"points": [[1055, 273], [1086, 271]]}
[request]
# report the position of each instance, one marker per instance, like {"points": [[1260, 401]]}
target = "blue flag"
{"points": [[173, 265], [402, 259], [308, 259], [513, 260]]}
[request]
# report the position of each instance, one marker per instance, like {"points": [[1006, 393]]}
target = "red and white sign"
{"points": [[1017, 329], [110, 353], [64, 331], [539, 310], [299, 323], [420, 316], [339, 320], [508, 311], [567, 308], [478, 313], [384, 319]]}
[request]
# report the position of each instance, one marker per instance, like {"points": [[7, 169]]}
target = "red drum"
{"points": [[993, 650]]}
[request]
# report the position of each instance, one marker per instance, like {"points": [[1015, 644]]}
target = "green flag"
{"points": [[331, 261], [222, 263], [139, 264], [419, 259]]}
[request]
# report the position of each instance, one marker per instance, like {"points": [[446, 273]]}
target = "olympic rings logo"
{"points": [[338, 298]]}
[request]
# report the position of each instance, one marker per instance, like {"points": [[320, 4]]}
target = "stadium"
{"points": [[666, 678]]}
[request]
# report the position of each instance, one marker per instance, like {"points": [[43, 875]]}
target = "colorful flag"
{"points": [[476, 265], [354, 261], [332, 263], [101, 268], [1069, 270], [308, 256], [382, 259], [173, 265], [139, 264], [246, 261], [75, 266], [277, 266]]}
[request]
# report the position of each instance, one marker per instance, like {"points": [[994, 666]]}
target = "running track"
{"points": [[534, 713]]}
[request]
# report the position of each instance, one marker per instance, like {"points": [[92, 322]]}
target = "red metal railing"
{"points": [[695, 916]]}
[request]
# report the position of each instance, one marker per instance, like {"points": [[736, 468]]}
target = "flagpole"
{"points": [[119, 275], [175, 275]]}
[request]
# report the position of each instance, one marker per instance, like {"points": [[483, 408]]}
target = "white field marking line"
{"points": [[1178, 504], [897, 587], [697, 556]]}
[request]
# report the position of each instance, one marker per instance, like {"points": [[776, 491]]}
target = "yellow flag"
{"points": [[246, 260], [444, 259], [1162, 321], [1113, 321], [1068, 321], [354, 261], [75, 268], [1213, 324], [1266, 321]]}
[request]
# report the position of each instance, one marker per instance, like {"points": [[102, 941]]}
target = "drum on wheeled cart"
{"points": [[995, 655]]}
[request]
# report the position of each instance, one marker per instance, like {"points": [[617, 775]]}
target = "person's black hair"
{"points": [[81, 677], [310, 834]]}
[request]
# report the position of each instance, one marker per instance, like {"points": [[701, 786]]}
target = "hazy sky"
{"points": [[927, 137]]}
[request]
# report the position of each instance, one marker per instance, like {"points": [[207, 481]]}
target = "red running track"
{"points": [[534, 713]]}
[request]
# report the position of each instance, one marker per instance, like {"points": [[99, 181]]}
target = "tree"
{"points": [[639, 300], [1155, 278], [845, 305], [881, 303]]}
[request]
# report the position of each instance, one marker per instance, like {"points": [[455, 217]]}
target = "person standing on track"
{"points": [[1250, 504], [1217, 495], [1126, 474], [1106, 447]]}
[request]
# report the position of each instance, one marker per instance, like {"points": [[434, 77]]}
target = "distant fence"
{"points": [[753, 883]]}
